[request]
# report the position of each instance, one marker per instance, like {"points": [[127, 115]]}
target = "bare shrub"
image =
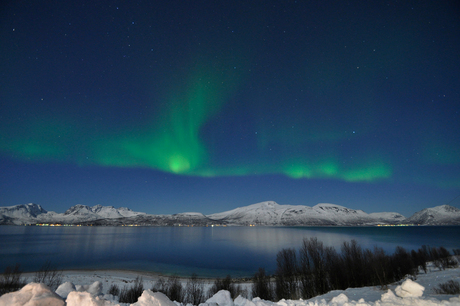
{"points": [[419, 258], [225, 284], [402, 264], [194, 291], [286, 274], [380, 267], [114, 290], [131, 295], [171, 287], [160, 286], [353, 259], [175, 291], [447, 261], [11, 280], [49, 275], [451, 287], [262, 286]]}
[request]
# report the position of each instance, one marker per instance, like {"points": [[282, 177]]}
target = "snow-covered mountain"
{"points": [[394, 218], [9, 214], [439, 215], [22, 211], [34, 213], [271, 213], [265, 213], [99, 211]]}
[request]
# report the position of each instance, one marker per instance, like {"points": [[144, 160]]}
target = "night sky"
{"points": [[174, 106]]}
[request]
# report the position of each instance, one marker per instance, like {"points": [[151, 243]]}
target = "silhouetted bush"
{"points": [[378, 265], [440, 257], [49, 275], [316, 268], [451, 287], [402, 264], [171, 287], [175, 291], [194, 291], [11, 280], [286, 274], [320, 269], [131, 295], [419, 258], [160, 286], [114, 290], [262, 286], [335, 273], [353, 260], [226, 284], [446, 259]]}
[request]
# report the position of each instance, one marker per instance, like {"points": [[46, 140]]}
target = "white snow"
{"points": [[86, 288], [409, 289], [32, 294], [271, 213], [22, 211], [33, 213], [264, 213], [221, 298], [149, 298], [64, 289], [443, 214]]}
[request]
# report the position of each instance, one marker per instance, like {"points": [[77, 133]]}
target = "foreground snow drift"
{"points": [[407, 294]]}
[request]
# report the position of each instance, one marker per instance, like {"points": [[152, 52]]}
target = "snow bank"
{"points": [[32, 294], [409, 289], [149, 298], [409, 293], [64, 289]]}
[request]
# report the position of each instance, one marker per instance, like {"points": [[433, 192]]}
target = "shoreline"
{"points": [[121, 278], [132, 274], [125, 278]]}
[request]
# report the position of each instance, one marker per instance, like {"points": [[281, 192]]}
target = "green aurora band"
{"points": [[172, 143], [171, 139]]}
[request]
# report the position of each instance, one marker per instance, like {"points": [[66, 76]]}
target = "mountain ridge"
{"points": [[268, 213]]}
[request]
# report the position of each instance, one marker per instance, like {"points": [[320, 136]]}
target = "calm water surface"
{"points": [[209, 252]]}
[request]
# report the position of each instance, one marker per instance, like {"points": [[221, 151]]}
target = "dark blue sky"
{"points": [[176, 106]]}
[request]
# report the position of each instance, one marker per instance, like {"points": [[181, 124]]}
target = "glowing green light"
{"points": [[368, 173], [298, 172], [179, 164], [172, 141]]}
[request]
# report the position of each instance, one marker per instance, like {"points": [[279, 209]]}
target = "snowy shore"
{"points": [[95, 284]]}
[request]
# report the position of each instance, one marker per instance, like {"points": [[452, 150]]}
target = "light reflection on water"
{"points": [[216, 251]]}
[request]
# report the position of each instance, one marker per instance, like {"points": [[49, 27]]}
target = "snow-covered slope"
{"points": [[90, 287], [80, 213], [271, 213], [34, 213], [99, 211], [439, 215], [22, 210], [265, 213], [393, 217], [13, 214]]}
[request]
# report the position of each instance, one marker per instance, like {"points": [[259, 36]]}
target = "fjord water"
{"points": [[206, 251]]}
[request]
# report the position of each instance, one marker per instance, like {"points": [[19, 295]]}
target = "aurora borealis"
{"points": [[210, 105]]}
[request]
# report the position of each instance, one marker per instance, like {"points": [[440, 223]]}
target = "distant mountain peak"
{"points": [[438, 215], [267, 213], [19, 212], [328, 205], [77, 209], [447, 208]]}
